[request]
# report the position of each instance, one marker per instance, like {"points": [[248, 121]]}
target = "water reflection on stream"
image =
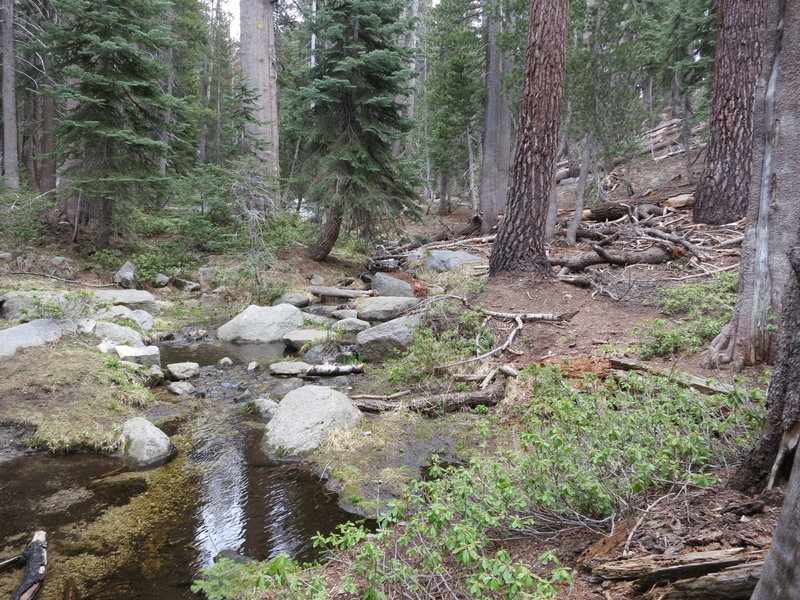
{"points": [[245, 502]]}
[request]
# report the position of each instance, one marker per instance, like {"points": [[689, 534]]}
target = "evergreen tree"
{"points": [[354, 116], [111, 83]]}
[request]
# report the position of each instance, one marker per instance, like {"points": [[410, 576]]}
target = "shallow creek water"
{"points": [[238, 498]]}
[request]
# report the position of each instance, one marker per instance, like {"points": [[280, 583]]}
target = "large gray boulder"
{"points": [[261, 324], [388, 285], [118, 334], [183, 370], [305, 417], [383, 308], [114, 313], [445, 260], [133, 299], [144, 445], [295, 340], [387, 339], [126, 276], [35, 333], [318, 319]]}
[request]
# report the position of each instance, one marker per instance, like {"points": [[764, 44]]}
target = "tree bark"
{"points": [[10, 150], [722, 189], [47, 176], [520, 241], [497, 129], [444, 194], [436, 405], [580, 191], [259, 68], [328, 235], [773, 210]]}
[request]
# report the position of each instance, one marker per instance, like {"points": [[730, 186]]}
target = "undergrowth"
{"points": [[701, 312], [579, 452]]}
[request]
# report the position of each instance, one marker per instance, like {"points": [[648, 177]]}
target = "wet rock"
{"points": [[445, 260], [387, 285], [298, 299], [126, 276], [144, 445], [149, 355], [387, 339], [278, 388], [261, 324], [185, 285], [160, 280], [181, 388], [350, 328], [383, 308], [118, 334], [345, 313], [306, 416], [289, 368], [183, 370], [318, 319], [265, 406], [233, 556], [35, 333], [224, 362], [295, 340]]}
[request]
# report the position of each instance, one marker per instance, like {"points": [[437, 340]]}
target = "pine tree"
{"points": [[354, 116], [111, 84]]}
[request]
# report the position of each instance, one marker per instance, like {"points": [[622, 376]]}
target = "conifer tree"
{"points": [[111, 84], [354, 116]]}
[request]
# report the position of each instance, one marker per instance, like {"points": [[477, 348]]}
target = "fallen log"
{"points": [[435, 405], [660, 569], [657, 254], [34, 557], [733, 583], [328, 370], [333, 292], [380, 397], [706, 386]]}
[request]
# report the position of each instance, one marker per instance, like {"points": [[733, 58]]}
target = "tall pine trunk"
{"points": [[723, 186], [257, 51], [520, 244], [10, 151]]}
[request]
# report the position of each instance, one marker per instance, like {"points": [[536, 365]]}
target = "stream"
{"points": [[238, 499]]}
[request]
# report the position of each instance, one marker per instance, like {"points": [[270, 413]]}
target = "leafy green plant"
{"points": [[69, 305], [704, 310], [24, 215]]}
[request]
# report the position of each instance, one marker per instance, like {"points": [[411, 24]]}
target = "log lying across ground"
{"points": [[34, 557], [329, 370], [661, 569], [658, 253], [733, 583], [435, 405], [704, 385]]}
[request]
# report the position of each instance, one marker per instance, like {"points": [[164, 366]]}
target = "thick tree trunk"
{"points": [[723, 186], [773, 211], [520, 241], [10, 151], [783, 396], [329, 234], [259, 67], [497, 129], [780, 577], [473, 191], [47, 175]]}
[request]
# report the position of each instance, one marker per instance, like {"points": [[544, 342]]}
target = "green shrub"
{"points": [[70, 305], [704, 310], [24, 215]]}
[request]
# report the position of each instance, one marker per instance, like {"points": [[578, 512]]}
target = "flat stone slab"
{"points": [[289, 368], [149, 355], [118, 334], [34, 333], [181, 388], [387, 285], [298, 299], [387, 339], [183, 370], [445, 260], [383, 308]]}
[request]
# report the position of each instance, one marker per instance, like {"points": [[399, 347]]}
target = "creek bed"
{"points": [[227, 495]]}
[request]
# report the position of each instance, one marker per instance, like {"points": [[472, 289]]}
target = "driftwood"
{"points": [[436, 405], [733, 583], [658, 569], [328, 370], [379, 397], [333, 292], [706, 386], [34, 557], [657, 254]]}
